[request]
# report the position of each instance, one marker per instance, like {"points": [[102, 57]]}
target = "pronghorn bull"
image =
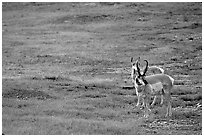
{"points": [[157, 86], [145, 87]]}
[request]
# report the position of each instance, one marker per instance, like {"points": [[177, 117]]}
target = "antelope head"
{"points": [[134, 68], [140, 79]]}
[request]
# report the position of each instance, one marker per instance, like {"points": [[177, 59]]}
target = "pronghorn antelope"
{"points": [[157, 86], [145, 87]]}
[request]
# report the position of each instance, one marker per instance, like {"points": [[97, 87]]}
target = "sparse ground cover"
{"points": [[66, 67]]}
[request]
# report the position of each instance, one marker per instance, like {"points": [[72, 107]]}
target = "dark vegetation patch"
{"points": [[190, 97], [90, 90], [128, 87], [186, 90], [27, 94], [93, 95], [105, 103], [84, 19], [177, 102], [109, 3], [186, 96], [53, 79], [192, 26], [188, 114], [68, 89]]}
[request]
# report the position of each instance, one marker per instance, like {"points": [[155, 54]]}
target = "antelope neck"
{"points": [[145, 81]]}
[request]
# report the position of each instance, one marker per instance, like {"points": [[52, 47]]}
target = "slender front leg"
{"points": [[155, 98], [138, 95], [138, 100], [162, 99], [147, 105], [169, 109], [162, 96], [143, 102], [147, 109]]}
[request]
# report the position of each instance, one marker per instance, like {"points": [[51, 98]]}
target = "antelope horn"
{"points": [[138, 60], [131, 59], [146, 68], [138, 69]]}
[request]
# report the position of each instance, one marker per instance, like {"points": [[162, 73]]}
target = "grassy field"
{"points": [[66, 66]]}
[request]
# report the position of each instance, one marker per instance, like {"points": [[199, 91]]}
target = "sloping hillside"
{"points": [[66, 67]]}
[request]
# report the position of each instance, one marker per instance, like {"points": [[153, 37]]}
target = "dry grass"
{"points": [[66, 67]]}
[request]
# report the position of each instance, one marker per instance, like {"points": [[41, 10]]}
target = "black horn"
{"points": [[146, 68], [138, 59], [138, 69], [131, 59]]}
